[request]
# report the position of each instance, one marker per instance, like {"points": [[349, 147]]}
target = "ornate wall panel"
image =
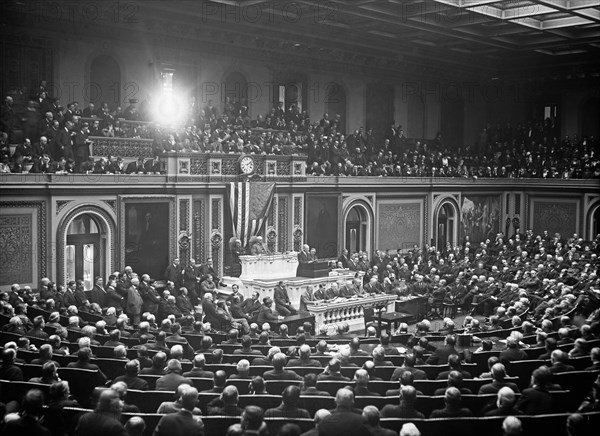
{"points": [[23, 243], [556, 216], [399, 224], [183, 239], [199, 234], [16, 248], [282, 210], [216, 234]]}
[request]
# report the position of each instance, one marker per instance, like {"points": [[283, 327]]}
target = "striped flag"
{"points": [[249, 205]]}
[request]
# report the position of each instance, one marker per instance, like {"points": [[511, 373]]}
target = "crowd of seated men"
{"points": [[522, 297], [57, 140]]}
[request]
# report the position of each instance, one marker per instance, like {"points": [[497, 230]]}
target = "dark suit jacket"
{"points": [[440, 356], [512, 354], [266, 315], [181, 423], [98, 295], [418, 374], [559, 367], [211, 315], [98, 424], [173, 274], [286, 374], [63, 145], [535, 401], [343, 422], [302, 257], [450, 413], [282, 411], [401, 411]]}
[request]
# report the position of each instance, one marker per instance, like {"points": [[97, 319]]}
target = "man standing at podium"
{"points": [[302, 258], [282, 300]]}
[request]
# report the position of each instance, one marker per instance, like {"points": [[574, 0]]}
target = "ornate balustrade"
{"points": [[350, 310], [228, 164], [127, 148]]}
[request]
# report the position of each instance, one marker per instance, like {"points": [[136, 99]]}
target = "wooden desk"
{"points": [[395, 318], [293, 322], [415, 306]]}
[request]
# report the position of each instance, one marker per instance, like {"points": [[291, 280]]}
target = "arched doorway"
{"points": [[335, 104], [445, 226], [85, 249], [236, 87], [105, 81], [357, 229]]}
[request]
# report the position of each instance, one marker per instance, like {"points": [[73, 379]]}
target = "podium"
{"points": [[313, 269], [269, 266]]}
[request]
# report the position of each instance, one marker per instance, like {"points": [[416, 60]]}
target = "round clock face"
{"points": [[247, 165]]}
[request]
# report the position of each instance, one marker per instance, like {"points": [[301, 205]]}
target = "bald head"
{"points": [[511, 426], [408, 394], [371, 415], [344, 398], [174, 365], [361, 376], [506, 397], [409, 429], [189, 398], [135, 426], [320, 415]]}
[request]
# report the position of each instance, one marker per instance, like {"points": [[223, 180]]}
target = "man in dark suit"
{"points": [[98, 294], [344, 258], [559, 362], [372, 417], [343, 421], [454, 365], [452, 399], [136, 167], [266, 312], [409, 366], [361, 385], [152, 166], [198, 369], [441, 355], [512, 352], [536, 400], [498, 374], [182, 423], [63, 144], [81, 145], [83, 362], [105, 419], [217, 317], [173, 273], [289, 406], [190, 280], [278, 372], [283, 305], [302, 258], [132, 370], [406, 408], [309, 386], [304, 359], [173, 378]]}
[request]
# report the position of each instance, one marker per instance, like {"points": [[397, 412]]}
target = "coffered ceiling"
{"points": [[510, 39]]}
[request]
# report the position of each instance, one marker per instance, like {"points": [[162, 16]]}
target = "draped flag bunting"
{"points": [[249, 204]]}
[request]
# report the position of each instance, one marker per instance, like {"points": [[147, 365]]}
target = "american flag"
{"points": [[249, 205]]}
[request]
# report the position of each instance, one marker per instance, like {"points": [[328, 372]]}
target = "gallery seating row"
{"points": [[548, 425]]}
